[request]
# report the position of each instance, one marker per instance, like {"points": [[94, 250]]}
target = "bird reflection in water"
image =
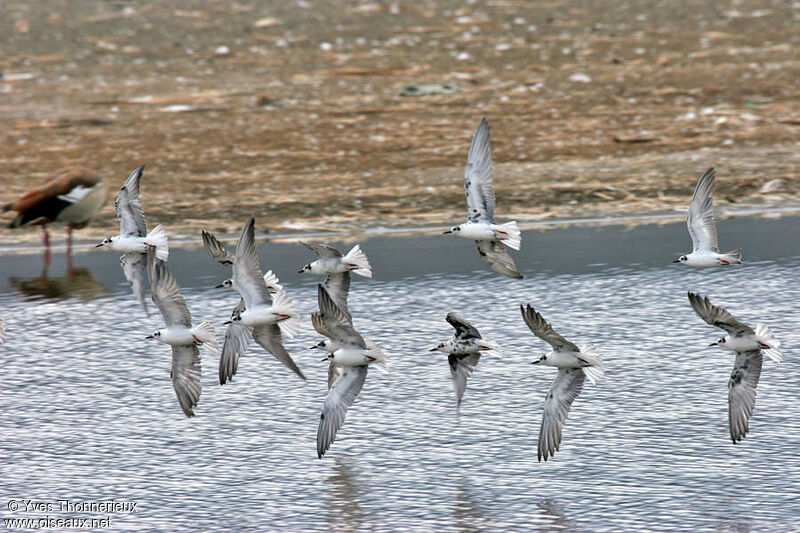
{"points": [[345, 499], [468, 515], [554, 517], [78, 282]]}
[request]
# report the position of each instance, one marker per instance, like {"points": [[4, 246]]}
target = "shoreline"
{"points": [[410, 231], [594, 110]]}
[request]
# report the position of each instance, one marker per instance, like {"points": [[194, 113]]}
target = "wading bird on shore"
{"points": [[73, 198]]}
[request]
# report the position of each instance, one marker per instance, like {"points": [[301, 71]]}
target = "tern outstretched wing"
{"points": [[701, 222], [478, 176], [340, 398]]}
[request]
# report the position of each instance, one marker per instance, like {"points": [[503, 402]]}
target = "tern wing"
{"points": [[269, 337], [186, 376], [319, 325], [565, 388], [129, 207], [247, 274], [701, 222], [339, 399], [322, 249], [334, 371], [461, 367], [716, 316], [336, 322], [338, 286], [237, 338], [545, 331], [495, 255], [464, 330], [479, 175], [133, 266], [166, 294], [218, 251], [742, 392]]}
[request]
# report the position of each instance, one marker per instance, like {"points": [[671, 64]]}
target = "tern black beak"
{"points": [[713, 344], [149, 337], [220, 286], [677, 261], [227, 322], [446, 232], [536, 362], [98, 245], [433, 349], [324, 359], [313, 347]]}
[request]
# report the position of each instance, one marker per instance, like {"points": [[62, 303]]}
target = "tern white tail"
{"points": [[291, 326], [358, 259], [282, 304], [766, 338], [379, 358], [272, 282], [491, 347], [205, 334], [734, 257], [509, 234], [594, 370], [157, 238]]}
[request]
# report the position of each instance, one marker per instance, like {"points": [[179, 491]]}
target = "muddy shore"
{"points": [[293, 113]]}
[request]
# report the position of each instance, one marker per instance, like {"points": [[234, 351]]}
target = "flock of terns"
{"points": [[266, 314]]}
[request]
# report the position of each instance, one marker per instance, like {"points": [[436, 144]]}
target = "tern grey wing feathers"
{"points": [[542, 329], [461, 367], [334, 410], [565, 388], [237, 338], [494, 253], [322, 250], [464, 330], [185, 376], [742, 392], [478, 176], [129, 207], [219, 252], [716, 316], [334, 371], [338, 287], [134, 266], [247, 275], [701, 222], [336, 322], [166, 294], [270, 338], [319, 325]]}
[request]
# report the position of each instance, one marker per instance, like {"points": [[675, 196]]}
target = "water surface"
{"points": [[90, 414]]}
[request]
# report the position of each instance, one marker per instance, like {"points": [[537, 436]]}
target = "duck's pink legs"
{"points": [[46, 246], [69, 248]]}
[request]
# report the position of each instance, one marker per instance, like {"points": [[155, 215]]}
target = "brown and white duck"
{"points": [[73, 197]]}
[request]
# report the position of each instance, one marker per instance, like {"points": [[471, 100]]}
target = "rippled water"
{"points": [[90, 414]]}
